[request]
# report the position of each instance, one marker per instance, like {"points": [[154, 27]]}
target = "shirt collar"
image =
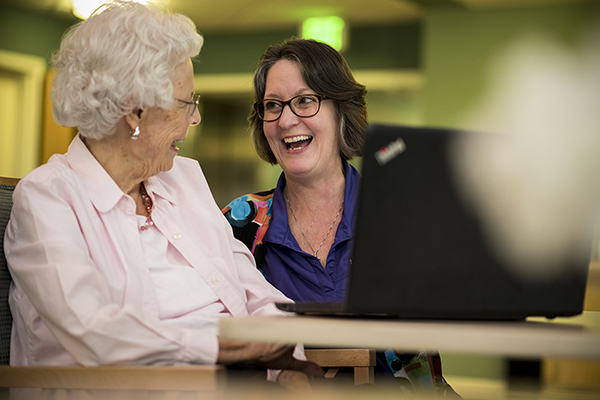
{"points": [[155, 187], [346, 228], [103, 190]]}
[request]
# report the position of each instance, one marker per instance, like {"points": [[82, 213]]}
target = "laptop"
{"points": [[420, 251]]}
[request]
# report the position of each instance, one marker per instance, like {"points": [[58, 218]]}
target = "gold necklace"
{"points": [[304, 236], [148, 204]]}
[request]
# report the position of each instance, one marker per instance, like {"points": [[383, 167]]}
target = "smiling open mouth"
{"points": [[176, 142], [297, 142]]}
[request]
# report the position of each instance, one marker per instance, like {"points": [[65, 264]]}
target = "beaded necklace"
{"points": [[148, 204]]}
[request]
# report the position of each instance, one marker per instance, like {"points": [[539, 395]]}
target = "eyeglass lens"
{"points": [[193, 105], [303, 106]]}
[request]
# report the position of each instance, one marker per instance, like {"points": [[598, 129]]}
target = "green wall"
{"points": [[31, 33], [235, 53], [459, 45], [370, 47]]}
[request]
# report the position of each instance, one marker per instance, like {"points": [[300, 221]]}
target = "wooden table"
{"points": [[574, 337]]}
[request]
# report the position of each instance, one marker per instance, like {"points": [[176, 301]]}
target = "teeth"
{"points": [[296, 139]]}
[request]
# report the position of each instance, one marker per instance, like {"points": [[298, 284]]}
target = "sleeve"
{"points": [[57, 281], [249, 217], [261, 296]]}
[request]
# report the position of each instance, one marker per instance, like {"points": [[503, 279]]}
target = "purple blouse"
{"points": [[300, 275]]}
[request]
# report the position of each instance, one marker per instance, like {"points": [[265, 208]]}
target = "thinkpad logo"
{"points": [[387, 153]]}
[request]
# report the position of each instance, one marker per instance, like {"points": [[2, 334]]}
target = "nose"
{"points": [[287, 118], [196, 117]]}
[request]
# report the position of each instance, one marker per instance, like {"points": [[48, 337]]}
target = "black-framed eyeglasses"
{"points": [[303, 105], [191, 105]]}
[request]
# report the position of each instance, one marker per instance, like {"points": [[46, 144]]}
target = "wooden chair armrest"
{"points": [[9, 181], [362, 360], [342, 357]]}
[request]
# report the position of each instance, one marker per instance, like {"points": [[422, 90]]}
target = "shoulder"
{"points": [[55, 174], [55, 167], [183, 168], [249, 217], [186, 185], [244, 209], [50, 194], [185, 175]]}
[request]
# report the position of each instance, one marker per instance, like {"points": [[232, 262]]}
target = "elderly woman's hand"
{"points": [[266, 355]]}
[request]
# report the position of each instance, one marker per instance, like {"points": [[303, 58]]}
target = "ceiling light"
{"points": [[84, 8], [330, 30]]}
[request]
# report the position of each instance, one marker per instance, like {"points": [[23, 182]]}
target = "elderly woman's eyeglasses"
{"points": [[191, 105], [304, 106]]}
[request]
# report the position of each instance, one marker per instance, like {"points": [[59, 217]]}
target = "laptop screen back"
{"points": [[420, 250]]}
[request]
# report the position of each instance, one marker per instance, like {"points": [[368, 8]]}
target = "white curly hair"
{"points": [[119, 60]]}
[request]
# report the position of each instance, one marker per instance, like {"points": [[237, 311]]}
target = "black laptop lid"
{"points": [[420, 251]]}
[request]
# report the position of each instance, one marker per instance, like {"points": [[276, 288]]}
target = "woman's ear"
{"points": [[134, 118]]}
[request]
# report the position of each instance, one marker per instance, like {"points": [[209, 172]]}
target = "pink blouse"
{"points": [[83, 292]]}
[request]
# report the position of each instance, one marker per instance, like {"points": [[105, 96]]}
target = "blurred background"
{"points": [[424, 62]]}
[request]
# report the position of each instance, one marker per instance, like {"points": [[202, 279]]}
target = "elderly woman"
{"points": [[310, 117], [118, 252]]}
